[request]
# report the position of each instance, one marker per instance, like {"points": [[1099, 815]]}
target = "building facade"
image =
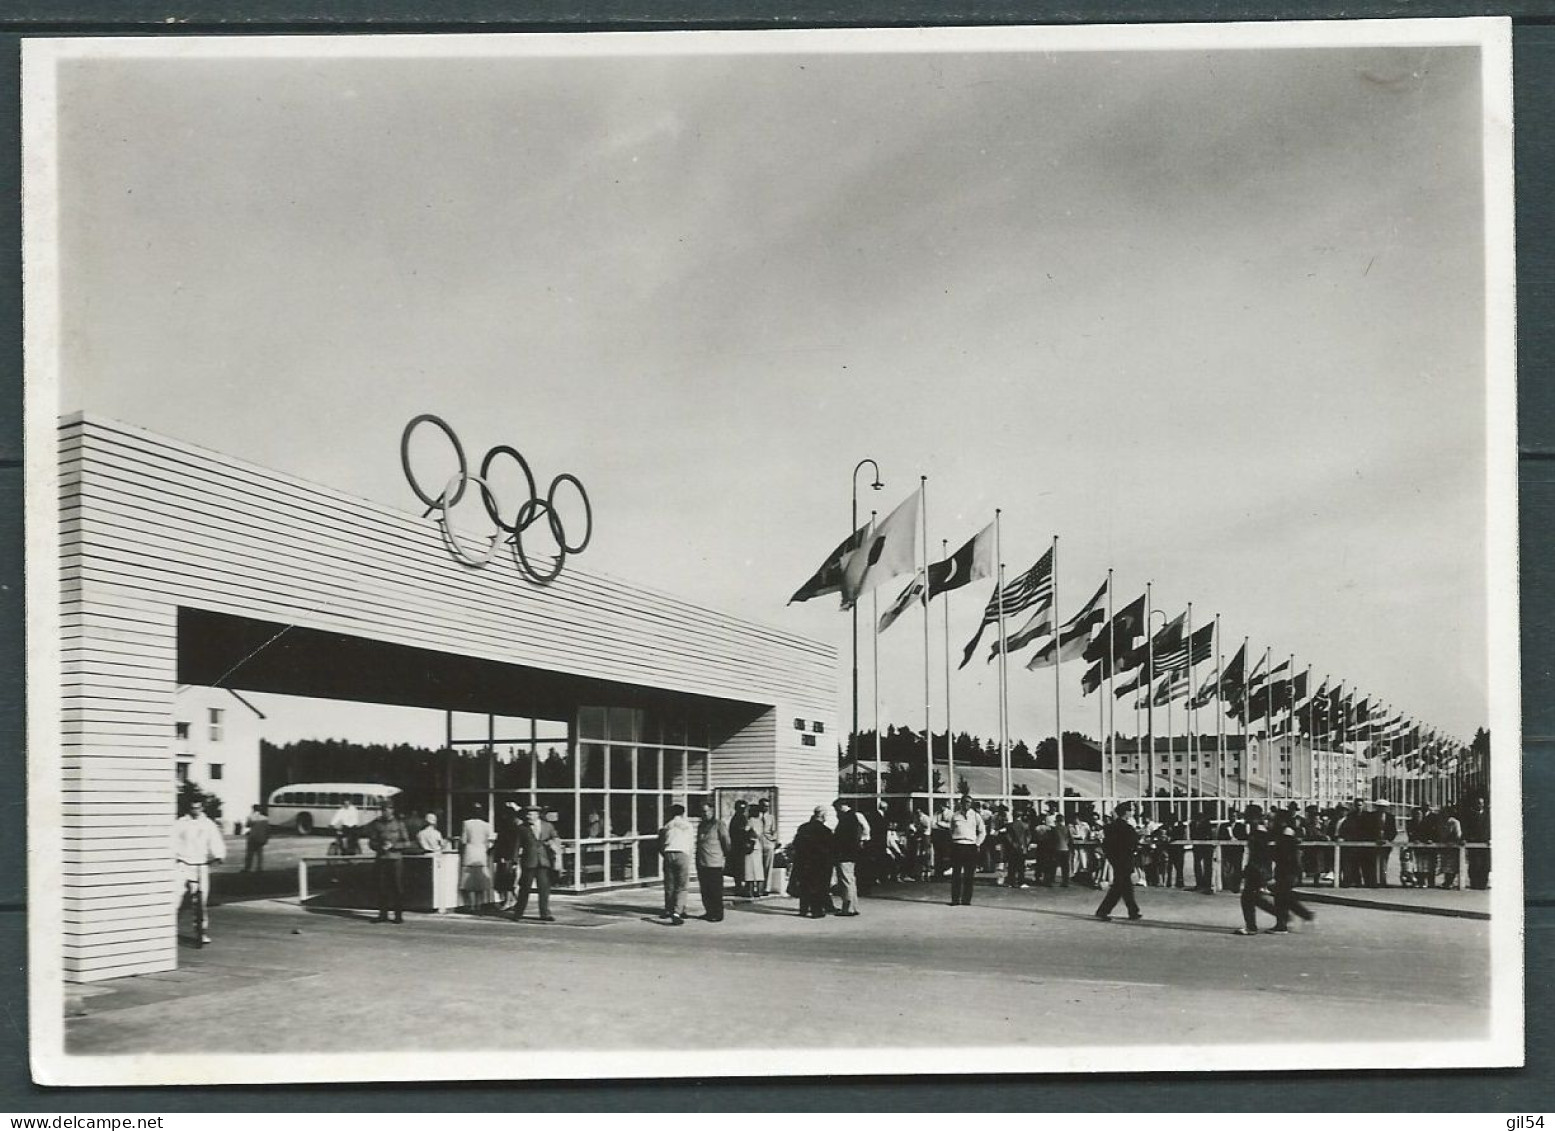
{"points": [[216, 736], [184, 567]]}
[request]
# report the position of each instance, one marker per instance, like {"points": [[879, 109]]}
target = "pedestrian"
{"points": [[712, 852], [1233, 837], [430, 838], [1273, 861], [1201, 830], [1476, 831], [741, 841], [345, 824], [475, 885], [812, 865], [255, 837], [968, 831], [1120, 845], [504, 855], [850, 840], [939, 841], [388, 837], [1058, 863], [1173, 836], [1017, 842], [753, 864], [767, 834], [538, 852], [677, 842], [197, 844], [1388, 833], [1451, 841], [1427, 832]]}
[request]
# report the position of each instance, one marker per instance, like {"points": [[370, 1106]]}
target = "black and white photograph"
{"points": [[771, 553]]}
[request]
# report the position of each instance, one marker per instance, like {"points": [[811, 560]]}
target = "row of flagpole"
{"points": [[877, 551]]}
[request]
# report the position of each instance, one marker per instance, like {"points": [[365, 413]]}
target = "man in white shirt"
{"points": [[197, 844], [677, 840], [968, 830], [344, 823], [430, 838]]}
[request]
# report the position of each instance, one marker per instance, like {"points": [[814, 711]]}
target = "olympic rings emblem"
{"points": [[530, 511]]}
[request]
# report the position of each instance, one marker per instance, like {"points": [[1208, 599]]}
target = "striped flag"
{"points": [[1202, 646], [1031, 590]]}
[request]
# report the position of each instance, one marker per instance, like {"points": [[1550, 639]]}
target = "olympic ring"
{"points": [[529, 510]]}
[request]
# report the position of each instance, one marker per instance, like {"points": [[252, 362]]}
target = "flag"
{"points": [[1040, 625], [1092, 678], [1183, 652], [908, 597], [972, 562], [1173, 685], [890, 549], [1074, 636], [828, 579], [1122, 630], [1031, 590]]}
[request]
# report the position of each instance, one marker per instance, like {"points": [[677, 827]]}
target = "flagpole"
{"points": [[874, 654], [1058, 667], [1219, 722], [876, 485], [1187, 711], [1246, 762], [1109, 708], [1004, 687], [928, 720], [1311, 745], [1150, 696], [950, 738]]}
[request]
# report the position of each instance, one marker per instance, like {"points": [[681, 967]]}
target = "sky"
{"points": [[1215, 318]]}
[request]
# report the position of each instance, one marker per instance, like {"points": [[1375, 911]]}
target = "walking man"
{"points": [[967, 833], [538, 853], [1273, 859], [849, 839], [712, 850], [389, 837], [197, 844], [1120, 845], [677, 840], [255, 838]]}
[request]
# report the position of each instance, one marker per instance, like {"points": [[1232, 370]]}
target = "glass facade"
{"points": [[607, 780]]}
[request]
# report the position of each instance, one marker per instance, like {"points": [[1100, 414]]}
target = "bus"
{"points": [[311, 805]]}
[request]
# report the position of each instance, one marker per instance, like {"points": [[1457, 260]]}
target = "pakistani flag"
{"points": [[972, 562]]}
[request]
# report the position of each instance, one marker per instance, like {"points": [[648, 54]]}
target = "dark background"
{"points": [[1523, 1090]]}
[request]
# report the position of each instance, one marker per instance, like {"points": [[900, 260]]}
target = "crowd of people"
{"points": [[842, 850]]}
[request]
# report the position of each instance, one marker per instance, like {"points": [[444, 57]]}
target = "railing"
{"points": [[1337, 849]]}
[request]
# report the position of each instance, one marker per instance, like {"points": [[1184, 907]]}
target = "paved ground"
{"points": [[1017, 967]]}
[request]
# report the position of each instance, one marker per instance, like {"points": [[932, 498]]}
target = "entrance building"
{"points": [[602, 700]]}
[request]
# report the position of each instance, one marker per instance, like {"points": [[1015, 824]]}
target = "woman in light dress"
{"points": [[475, 887]]}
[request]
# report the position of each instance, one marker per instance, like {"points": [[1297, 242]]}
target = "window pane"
{"points": [[593, 815], [469, 768], [619, 822], [621, 855], [593, 856], [648, 813], [593, 756], [621, 767], [555, 768], [514, 768], [696, 772], [591, 722], [675, 731], [648, 776], [675, 770], [647, 860], [622, 723]]}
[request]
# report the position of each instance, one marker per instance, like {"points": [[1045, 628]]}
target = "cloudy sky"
{"points": [[1214, 317]]}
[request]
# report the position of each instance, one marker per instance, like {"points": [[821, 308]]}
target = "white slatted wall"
{"points": [[150, 524]]}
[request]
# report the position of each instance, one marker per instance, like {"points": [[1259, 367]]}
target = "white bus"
{"points": [[311, 805]]}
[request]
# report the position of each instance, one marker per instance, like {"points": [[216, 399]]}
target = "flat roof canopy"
{"points": [[217, 649]]}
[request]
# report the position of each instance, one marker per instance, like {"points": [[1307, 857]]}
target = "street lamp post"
{"points": [[853, 734]]}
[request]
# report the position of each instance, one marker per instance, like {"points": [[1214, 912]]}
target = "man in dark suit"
{"points": [[538, 850], [1120, 845]]}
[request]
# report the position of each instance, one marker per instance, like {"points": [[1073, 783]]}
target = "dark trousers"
{"points": [[1203, 868], [1283, 903], [1057, 864], [1174, 858], [530, 879], [710, 882], [389, 871], [1231, 867], [254, 858], [963, 872], [1479, 868], [1122, 888], [1014, 866]]}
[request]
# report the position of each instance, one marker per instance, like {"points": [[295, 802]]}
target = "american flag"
{"points": [[1029, 590]]}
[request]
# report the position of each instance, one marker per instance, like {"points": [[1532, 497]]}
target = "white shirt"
{"points": [[346, 816], [678, 835], [968, 827], [197, 840], [430, 839]]}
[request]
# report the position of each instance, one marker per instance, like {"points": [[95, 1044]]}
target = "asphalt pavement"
{"points": [[1016, 967]]}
